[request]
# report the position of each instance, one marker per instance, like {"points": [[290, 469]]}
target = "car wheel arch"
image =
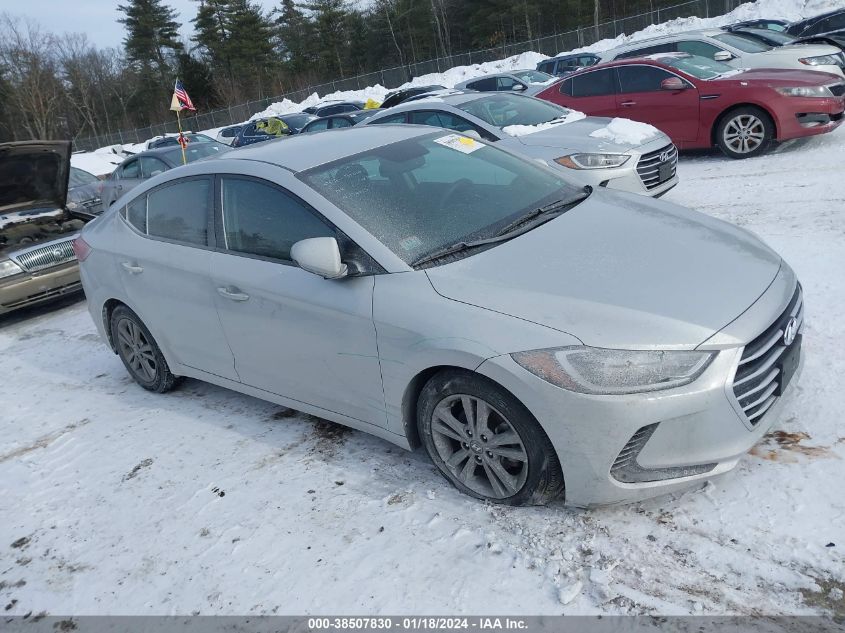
{"points": [[736, 106]]}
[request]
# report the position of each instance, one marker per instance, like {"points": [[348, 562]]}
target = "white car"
{"points": [[736, 51]]}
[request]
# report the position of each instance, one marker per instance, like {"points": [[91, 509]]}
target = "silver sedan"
{"points": [[586, 150], [539, 340]]}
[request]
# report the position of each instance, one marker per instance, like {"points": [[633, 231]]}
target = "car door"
{"points": [[165, 263], [642, 98], [592, 92], [292, 332], [128, 176]]}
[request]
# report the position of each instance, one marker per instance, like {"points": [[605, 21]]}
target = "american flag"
{"points": [[181, 100]]}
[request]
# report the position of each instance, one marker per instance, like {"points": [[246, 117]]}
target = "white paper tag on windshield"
{"points": [[463, 144]]}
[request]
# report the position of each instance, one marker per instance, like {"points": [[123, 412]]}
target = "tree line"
{"points": [[66, 86]]}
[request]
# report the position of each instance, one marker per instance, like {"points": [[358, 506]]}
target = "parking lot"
{"points": [[206, 500]]}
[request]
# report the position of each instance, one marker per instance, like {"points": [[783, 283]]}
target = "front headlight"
{"points": [[805, 91], [592, 161], [600, 371], [9, 268], [821, 60]]}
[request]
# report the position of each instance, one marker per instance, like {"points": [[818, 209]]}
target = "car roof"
{"points": [[570, 56], [318, 149]]}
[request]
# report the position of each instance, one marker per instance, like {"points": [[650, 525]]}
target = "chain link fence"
{"points": [[394, 77]]}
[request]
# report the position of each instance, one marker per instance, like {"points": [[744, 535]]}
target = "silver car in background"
{"points": [[528, 82], [540, 340], [736, 50], [552, 134]]}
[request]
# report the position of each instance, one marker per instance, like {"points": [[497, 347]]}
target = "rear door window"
{"points": [[396, 118], [594, 84], [340, 122], [132, 169], [180, 211], [151, 166], [483, 85]]}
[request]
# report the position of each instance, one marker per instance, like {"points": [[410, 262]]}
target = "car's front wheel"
{"points": [[485, 442], [139, 352], [745, 132]]}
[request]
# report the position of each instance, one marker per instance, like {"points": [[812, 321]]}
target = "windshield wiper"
{"points": [[514, 229], [555, 208]]}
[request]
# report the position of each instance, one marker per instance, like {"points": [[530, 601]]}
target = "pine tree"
{"points": [[152, 47]]}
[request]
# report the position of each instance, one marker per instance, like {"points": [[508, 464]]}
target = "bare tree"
{"points": [[30, 71]]}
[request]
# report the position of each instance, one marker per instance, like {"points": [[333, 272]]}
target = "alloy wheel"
{"points": [[136, 349], [744, 133], [479, 446]]}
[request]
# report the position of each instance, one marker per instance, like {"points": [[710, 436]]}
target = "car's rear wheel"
{"points": [[745, 132], [139, 352], [485, 442]]}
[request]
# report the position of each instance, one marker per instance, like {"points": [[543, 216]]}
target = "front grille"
{"points": [[757, 383], [46, 256], [649, 165], [837, 89]]}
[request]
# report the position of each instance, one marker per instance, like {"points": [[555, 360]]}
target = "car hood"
{"points": [[576, 134], [780, 77], [33, 175], [618, 271]]}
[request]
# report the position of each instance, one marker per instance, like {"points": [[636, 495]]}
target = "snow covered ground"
{"points": [[115, 500]]}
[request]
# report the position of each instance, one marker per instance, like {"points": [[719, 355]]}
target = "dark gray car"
{"points": [[143, 166]]}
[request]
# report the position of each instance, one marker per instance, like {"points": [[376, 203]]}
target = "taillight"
{"points": [[81, 249]]}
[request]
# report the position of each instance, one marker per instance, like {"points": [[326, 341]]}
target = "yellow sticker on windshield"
{"points": [[463, 144]]}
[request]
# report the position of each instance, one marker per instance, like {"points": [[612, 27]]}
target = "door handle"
{"points": [[132, 268], [234, 296], [628, 104]]}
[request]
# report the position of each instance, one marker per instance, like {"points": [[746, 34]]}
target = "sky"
{"points": [[95, 18]]}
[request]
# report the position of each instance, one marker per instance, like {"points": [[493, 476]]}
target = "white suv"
{"points": [[737, 51]]}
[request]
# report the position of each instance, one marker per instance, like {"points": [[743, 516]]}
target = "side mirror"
{"points": [[673, 83], [518, 87], [723, 56], [319, 255]]}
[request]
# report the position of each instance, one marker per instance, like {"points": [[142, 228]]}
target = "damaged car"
{"points": [[37, 225]]}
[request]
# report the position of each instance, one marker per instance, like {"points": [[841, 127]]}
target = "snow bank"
{"points": [[522, 130], [100, 162], [626, 132]]}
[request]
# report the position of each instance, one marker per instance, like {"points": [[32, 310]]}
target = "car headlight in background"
{"points": [[9, 268], [821, 60], [598, 371], [592, 161], [805, 91]]}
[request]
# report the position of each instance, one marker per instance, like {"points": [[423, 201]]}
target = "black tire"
{"points": [[745, 132], [152, 373], [540, 480]]}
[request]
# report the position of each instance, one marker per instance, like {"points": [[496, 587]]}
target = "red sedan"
{"points": [[699, 102]]}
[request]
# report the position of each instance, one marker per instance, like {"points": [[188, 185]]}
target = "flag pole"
{"points": [[181, 137]]}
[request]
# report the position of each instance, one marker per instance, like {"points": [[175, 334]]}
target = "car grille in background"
{"points": [[837, 89], [46, 256], [649, 166], [756, 384]]}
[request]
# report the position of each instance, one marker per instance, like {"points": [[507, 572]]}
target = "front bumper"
{"points": [[699, 434], [29, 289], [638, 175], [809, 117]]}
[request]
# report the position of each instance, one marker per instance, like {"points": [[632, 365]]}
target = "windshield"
{"points": [[697, 66], [503, 110], [423, 194], [745, 44], [532, 76], [767, 36], [195, 152], [80, 177]]}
